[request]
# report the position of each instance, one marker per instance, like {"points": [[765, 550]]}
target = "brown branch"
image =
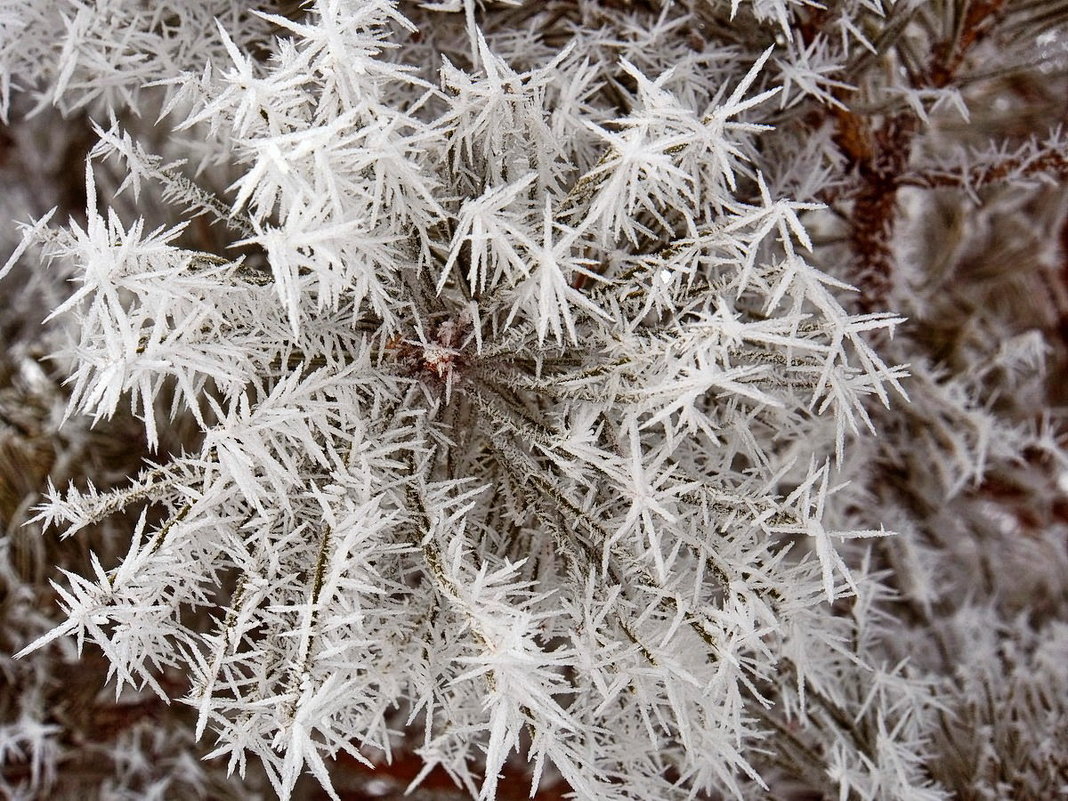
{"points": [[878, 157], [1050, 162], [947, 58]]}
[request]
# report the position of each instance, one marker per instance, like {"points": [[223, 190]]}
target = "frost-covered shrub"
{"points": [[520, 388]]}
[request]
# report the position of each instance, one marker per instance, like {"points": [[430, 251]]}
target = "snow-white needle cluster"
{"points": [[523, 404]]}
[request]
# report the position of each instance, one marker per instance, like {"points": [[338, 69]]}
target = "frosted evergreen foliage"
{"points": [[542, 415]]}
